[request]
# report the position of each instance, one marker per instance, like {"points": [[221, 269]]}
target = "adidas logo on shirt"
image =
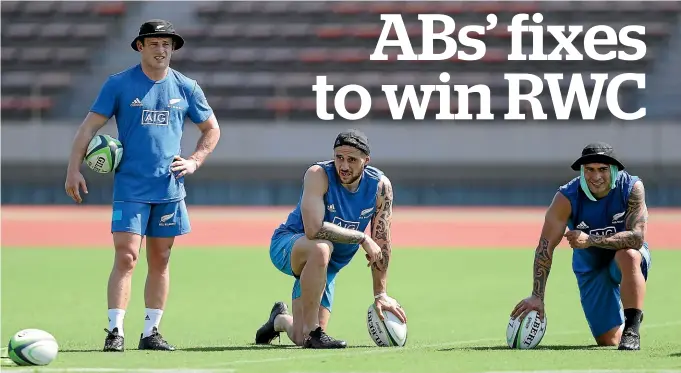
{"points": [[582, 225], [136, 102]]}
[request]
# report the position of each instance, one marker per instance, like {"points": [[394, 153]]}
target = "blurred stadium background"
{"points": [[257, 62]]}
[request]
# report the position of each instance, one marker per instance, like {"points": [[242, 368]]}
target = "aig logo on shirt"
{"points": [[345, 224], [155, 118], [603, 232]]}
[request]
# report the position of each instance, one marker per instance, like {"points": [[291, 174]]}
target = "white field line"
{"points": [[393, 350], [560, 371], [591, 371], [122, 370], [119, 370]]}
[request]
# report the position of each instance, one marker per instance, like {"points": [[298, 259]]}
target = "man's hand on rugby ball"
{"points": [[531, 303], [386, 303], [184, 166]]}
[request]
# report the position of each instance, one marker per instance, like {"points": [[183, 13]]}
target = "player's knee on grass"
{"points": [[158, 253], [298, 336], [126, 260], [127, 251], [610, 338], [628, 259]]}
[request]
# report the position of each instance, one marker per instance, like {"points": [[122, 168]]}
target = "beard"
{"points": [[352, 178]]}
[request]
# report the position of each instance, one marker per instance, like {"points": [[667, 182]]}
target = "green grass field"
{"points": [[458, 303]]}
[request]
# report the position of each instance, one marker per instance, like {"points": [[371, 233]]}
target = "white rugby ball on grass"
{"points": [[390, 332], [525, 334], [32, 347]]}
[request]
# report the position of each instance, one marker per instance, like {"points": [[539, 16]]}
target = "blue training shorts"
{"points": [[280, 254], [600, 294], [151, 219]]}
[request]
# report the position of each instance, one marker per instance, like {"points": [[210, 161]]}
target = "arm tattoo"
{"points": [[543, 258], [635, 223], [335, 233], [381, 223], [618, 241]]}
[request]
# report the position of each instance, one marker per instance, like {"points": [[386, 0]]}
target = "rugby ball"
{"points": [[390, 332], [32, 347], [103, 154], [527, 333]]}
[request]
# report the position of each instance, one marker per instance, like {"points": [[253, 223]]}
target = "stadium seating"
{"points": [[44, 44], [259, 59]]}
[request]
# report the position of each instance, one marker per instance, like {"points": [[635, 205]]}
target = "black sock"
{"points": [[632, 319]]}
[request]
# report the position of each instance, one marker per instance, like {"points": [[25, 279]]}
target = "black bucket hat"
{"points": [[598, 152], [158, 28]]}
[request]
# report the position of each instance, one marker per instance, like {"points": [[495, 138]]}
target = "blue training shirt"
{"points": [[352, 210], [150, 118], [602, 217]]}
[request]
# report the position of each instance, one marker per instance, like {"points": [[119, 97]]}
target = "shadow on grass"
{"points": [[251, 347], [504, 347], [75, 350], [199, 349]]}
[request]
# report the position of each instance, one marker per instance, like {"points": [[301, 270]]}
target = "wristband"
{"points": [[364, 237], [380, 295]]}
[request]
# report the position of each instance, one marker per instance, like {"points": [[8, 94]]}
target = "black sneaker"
{"points": [[154, 342], [113, 342], [319, 339], [266, 333], [630, 341]]}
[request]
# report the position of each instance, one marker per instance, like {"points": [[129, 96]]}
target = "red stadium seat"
{"points": [[24, 103], [314, 55], [109, 8], [347, 7]]}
